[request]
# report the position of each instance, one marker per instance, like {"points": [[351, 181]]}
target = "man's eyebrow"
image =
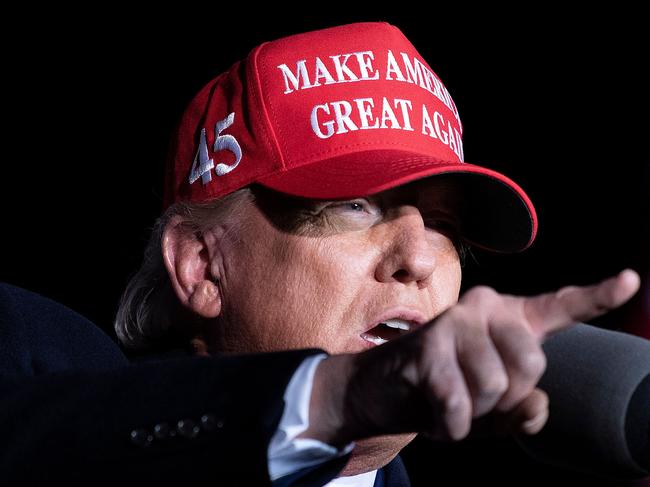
{"points": [[451, 219], [311, 206], [444, 201]]}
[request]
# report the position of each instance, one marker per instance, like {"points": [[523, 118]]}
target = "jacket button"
{"points": [[141, 437], [187, 428], [209, 423], [161, 431]]}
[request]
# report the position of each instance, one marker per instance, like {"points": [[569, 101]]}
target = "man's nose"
{"points": [[409, 256]]}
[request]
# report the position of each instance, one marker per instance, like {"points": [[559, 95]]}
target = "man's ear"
{"points": [[187, 260]]}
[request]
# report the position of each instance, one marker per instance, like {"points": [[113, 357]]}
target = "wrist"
{"points": [[327, 403]]}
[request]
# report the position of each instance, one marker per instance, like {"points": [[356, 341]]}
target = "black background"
{"points": [[556, 101]]}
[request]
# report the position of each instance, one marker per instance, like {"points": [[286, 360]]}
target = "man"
{"points": [[347, 121], [316, 201]]}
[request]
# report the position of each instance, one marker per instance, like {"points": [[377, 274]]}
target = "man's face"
{"points": [[325, 274]]}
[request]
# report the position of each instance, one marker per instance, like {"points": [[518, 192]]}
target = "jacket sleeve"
{"points": [[182, 419]]}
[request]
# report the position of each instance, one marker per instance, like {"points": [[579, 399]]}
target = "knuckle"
{"points": [[456, 403], [447, 388], [565, 291], [531, 364], [483, 294], [458, 313], [445, 380], [464, 317], [494, 385]]}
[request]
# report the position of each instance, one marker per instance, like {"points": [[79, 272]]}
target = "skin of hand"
{"points": [[482, 356]]}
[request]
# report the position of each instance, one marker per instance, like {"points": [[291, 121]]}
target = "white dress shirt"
{"points": [[288, 454]]}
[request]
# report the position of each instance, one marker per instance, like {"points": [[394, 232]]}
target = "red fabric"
{"points": [[341, 112]]}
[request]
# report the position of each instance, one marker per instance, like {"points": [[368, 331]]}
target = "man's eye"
{"points": [[356, 206]]}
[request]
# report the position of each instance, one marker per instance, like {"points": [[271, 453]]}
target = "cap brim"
{"points": [[497, 214]]}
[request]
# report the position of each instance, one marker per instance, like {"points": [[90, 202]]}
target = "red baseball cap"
{"points": [[338, 113]]}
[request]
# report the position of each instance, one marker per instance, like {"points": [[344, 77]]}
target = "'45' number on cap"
{"points": [[202, 165]]}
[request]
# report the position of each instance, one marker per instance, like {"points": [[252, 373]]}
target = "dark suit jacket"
{"points": [[72, 407]]}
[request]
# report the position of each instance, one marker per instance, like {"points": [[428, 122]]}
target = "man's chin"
{"points": [[373, 453]]}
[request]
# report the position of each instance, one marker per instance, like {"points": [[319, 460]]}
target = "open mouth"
{"points": [[387, 330]]}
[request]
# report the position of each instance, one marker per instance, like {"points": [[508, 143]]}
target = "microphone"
{"points": [[598, 383]]}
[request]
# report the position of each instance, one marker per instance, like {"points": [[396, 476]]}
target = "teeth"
{"points": [[397, 323], [373, 338]]}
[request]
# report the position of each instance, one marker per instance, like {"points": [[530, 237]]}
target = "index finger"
{"points": [[554, 311]]}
